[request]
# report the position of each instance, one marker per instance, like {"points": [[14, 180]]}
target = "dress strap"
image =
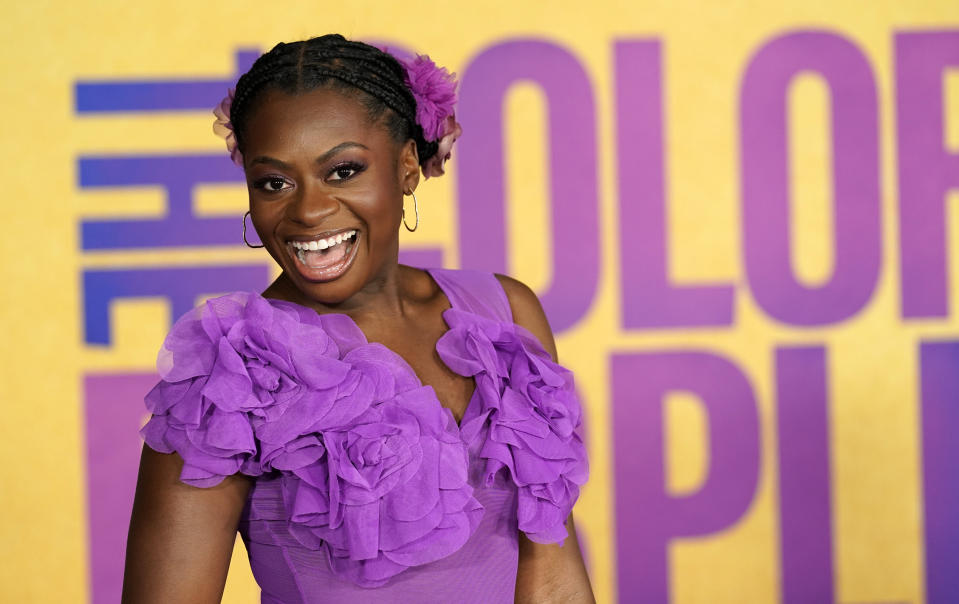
{"points": [[474, 291]]}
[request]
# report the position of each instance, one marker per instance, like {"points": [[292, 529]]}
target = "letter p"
{"points": [[647, 516]]}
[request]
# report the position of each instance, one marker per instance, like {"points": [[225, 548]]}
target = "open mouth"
{"points": [[324, 259]]}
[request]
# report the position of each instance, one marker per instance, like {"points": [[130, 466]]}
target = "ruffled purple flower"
{"points": [[435, 91], [372, 467], [223, 127], [236, 374], [533, 413], [393, 493]]}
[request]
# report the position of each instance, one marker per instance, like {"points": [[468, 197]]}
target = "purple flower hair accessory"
{"points": [[223, 127], [434, 89]]}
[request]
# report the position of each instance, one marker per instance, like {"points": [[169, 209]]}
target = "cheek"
{"points": [[384, 228], [263, 217], [381, 213], [262, 221]]}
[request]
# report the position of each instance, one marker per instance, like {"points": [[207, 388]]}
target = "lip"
{"points": [[329, 273]]}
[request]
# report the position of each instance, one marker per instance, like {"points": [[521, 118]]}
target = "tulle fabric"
{"points": [[530, 405], [371, 469]]}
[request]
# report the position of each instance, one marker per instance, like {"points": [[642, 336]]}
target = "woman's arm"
{"points": [[550, 573], [546, 572], [181, 537]]}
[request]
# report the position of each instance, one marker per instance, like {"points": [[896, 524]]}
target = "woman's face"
{"points": [[326, 191]]}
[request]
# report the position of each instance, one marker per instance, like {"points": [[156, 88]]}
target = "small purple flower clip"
{"points": [[435, 166], [434, 89], [223, 127]]}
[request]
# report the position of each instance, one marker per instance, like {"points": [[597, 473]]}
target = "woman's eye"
{"points": [[345, 172], [272, 184]]}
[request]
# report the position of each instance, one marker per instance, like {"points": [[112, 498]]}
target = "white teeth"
{"points": [[322, 244]]}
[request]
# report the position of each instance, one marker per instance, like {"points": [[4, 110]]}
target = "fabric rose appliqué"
{"points": [[371, 465], [393, 492], [533, 413]]}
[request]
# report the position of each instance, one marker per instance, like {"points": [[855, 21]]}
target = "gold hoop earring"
{"points": [[248, 244], [416, 211]]}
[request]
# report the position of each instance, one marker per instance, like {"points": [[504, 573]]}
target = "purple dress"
{"points": [[366, 489]]}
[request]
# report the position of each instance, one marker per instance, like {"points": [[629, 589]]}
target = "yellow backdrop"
{"points": [[874, 495]]}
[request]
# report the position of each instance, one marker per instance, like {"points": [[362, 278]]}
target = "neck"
{"points": [[383, 297]]}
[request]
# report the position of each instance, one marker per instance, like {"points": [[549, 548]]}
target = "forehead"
{"points": [[314, 120]]}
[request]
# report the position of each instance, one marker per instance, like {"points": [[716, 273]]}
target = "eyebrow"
{"points": [[265, 159]]}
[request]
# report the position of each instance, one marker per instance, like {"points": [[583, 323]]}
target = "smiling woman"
{"points": [[376, 433]]}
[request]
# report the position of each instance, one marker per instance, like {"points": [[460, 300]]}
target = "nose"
{"points": [[312, 205]]}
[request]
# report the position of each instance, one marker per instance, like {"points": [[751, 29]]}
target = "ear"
{"points": [[409, 167]]}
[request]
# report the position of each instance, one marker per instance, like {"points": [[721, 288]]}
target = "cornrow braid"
{"points": [[374, 77]]}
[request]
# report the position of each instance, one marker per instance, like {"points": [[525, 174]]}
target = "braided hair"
{"points": [[375, 78]]}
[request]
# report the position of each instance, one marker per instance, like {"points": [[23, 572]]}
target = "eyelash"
{"points": [[263, 182], [349, 165]]}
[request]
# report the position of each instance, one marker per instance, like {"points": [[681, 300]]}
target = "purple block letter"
{"points": [[926, 170], [649, 299], [805, 506], [766, 181], [572, 169], [114, 408], [940, 450], [647, 517]]}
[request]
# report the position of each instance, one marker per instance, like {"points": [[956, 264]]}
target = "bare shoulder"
{"points": [[418, 284], [528, 312]]}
